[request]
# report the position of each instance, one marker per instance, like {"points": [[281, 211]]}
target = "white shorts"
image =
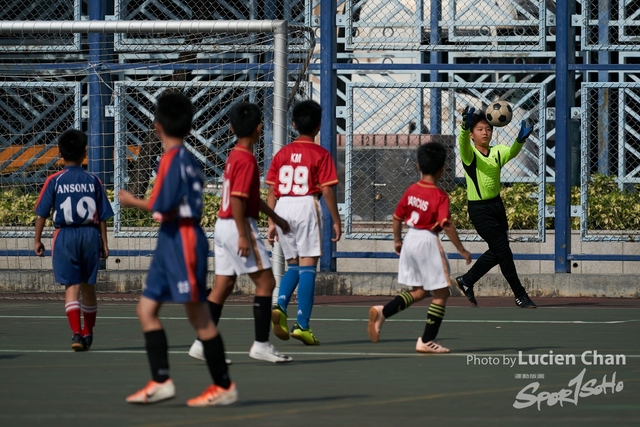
{"points": [[228, 262], [303, 216], [423, 262]]}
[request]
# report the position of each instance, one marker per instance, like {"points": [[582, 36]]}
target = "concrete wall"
{"points": [[361, 276]]}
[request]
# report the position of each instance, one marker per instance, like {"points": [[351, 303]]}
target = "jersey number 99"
{"points": [[293, 180]]}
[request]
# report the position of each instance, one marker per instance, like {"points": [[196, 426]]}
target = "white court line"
{"points": [[577, 322], [310, 353]]}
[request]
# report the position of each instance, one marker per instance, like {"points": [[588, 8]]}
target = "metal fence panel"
{"points": [[610, 162], [385, 124]]}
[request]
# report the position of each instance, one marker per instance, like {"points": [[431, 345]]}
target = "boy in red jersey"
{"points": [[300, 172], [423, 264], [238, 247], [80, 211], [178, 271]]}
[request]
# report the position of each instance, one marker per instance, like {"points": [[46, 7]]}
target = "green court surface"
{"points": [[347, 380]]}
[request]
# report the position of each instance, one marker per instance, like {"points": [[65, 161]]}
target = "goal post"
{"points": [[278, 27], [55, 75]]}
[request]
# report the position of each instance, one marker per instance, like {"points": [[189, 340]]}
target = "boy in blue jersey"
{"points": [[80, 211], [179, 267]]}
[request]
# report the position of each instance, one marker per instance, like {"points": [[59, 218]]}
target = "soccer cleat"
{"points": [[268, 353], [376, 319], [153, 392], [468, 292], [77, 343], [304, 335], [430, 347], [88, 340], [525, 302], [197, 352], [279, 321], [215, 396]]}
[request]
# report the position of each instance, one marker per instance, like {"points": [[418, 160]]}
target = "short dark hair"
{"points": [[72, 144], [477, 118], [431, 157], [245, 118], [174, 112], [307, 116]]}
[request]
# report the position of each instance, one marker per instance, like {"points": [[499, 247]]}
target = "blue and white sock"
{"points": [[306, 290], [288, 285]]}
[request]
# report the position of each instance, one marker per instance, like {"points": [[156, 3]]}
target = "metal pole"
{"points": [[280, 98], [328, 89], [564, 99], [95, 161]]}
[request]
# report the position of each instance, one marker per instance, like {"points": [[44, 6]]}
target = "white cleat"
{"points": [[153, 392], [197, 352], [268, 353]]}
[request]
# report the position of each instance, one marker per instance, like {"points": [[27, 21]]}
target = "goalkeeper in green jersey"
{"points": [[482, 165]]}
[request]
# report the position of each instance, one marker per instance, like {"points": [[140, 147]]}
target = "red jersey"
{"points": [[241, 179], [424, 206], [301, 168]]}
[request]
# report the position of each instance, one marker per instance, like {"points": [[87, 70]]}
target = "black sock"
{"points": [[158, 354], [396, 305], [214, 355], [216, 311], [434, 319], [262, 317]]}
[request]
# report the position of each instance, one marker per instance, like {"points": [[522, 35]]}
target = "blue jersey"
{"points": [[177, 192], [178, 271], [76, 197]]}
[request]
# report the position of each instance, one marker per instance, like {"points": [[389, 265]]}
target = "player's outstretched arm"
{"points": [[332, 204], [277, 219], [397, 235], [464, 140], [38, 246], [128, 200], [452, 234]]}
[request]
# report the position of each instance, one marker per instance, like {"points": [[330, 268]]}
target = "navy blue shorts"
{"points": [[178, 271], [75, 253]]}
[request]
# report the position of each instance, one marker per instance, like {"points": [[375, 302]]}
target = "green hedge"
{"points": [[609, 207]]}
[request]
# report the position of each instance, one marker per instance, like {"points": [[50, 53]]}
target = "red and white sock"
{"points": [[89, 312], [73, 314]]}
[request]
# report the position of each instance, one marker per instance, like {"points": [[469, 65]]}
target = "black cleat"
{"points": [[77, 343], [88, 340], [466, 290], [525, 302]]}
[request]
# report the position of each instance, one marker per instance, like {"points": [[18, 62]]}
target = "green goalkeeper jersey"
{"points": [[483, 172]]}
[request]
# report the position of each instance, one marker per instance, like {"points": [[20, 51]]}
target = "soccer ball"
{"points": [[499, 113]]}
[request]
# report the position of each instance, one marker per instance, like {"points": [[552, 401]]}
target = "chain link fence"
{"points": [[507, 25], [387, 121], [610, 162]]}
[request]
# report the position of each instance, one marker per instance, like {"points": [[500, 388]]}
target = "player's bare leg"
{"points": [[222, 288], [261, 348]]}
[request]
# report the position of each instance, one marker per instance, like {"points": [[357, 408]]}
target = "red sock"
{"points": [[73, 313], [89, 312]]}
